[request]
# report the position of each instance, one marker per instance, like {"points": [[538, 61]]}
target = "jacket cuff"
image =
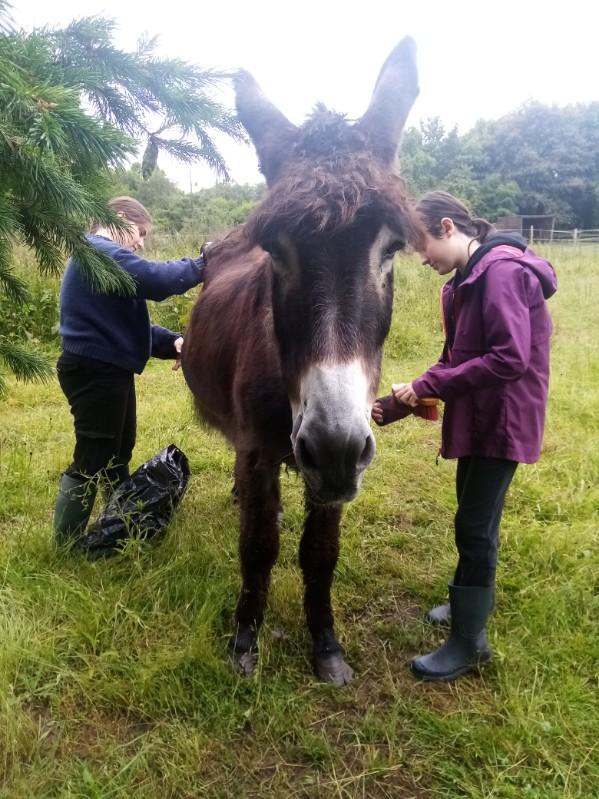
{"points": [[422, 388]]}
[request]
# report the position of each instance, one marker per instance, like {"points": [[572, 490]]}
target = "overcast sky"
{"points": [[475, 59]]}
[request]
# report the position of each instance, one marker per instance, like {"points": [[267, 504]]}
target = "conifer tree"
{"points": [[73, 108]]}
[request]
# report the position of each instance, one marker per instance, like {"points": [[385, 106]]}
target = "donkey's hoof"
{"points": [[244, 663], [333, 669]]}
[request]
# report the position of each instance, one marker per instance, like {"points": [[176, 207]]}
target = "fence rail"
{"points": [[552, 236]]}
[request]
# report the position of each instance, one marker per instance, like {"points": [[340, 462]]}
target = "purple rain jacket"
{"points": [[494, 370]]}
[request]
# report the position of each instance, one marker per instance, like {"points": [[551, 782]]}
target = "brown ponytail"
{"points": [[484, 228], [438, 205]]}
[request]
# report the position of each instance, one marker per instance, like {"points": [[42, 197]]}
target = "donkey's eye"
{"points": [[282, 254], [392, 248], [389, 252], [275, 251]]}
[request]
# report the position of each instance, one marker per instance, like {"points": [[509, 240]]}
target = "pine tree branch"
{"points": [[74, 107], [12, 285], [24, 364]]}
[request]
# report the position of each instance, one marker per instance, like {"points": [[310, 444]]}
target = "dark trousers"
{"points": [[102, 400], [481, 486]]}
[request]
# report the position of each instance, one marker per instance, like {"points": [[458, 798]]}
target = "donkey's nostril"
{"points": [[367, 453], [305, 457]]}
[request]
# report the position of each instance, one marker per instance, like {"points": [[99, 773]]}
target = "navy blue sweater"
{"points": [[115, 329]]}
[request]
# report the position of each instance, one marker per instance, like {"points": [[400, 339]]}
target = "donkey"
{"points": [[284, 346]]}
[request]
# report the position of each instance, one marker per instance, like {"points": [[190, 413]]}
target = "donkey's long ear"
{"points": [[271, 132], [393, 97]]}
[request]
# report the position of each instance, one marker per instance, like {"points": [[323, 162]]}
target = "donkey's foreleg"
{"points": [[319, 550], [258, 493]]}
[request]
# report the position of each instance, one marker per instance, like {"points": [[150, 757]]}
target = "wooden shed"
{"points": [[538, 227]]}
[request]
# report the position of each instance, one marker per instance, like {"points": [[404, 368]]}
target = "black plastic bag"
{"points": [[142, 506]]}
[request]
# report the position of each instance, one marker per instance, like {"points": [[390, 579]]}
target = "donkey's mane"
{"points": [[326, 134], [329, 181]]}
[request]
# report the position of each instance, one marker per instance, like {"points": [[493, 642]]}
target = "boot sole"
{"points": [[454, 674]]}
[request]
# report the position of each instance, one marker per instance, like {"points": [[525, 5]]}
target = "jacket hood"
{"points": [[511, 248]]}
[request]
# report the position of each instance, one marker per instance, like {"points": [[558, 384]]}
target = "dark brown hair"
{"points": [[329, 180], [324, 197], [437, 205], [131, 210]]}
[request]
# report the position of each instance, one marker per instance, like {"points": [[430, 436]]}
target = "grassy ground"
{"points": [[113, 676]]}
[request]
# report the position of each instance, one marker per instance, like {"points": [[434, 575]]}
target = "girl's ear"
{"points": [[447, 226]]}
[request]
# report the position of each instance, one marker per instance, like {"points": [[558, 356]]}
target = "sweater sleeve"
{"points": [[157, 280], [163, 342], [507, 332]]}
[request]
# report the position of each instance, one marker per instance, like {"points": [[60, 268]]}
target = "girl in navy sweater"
{"points": [[106, 339]]}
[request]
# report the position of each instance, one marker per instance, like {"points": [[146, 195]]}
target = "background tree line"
{"points": [[538, 159], [202, 214]]}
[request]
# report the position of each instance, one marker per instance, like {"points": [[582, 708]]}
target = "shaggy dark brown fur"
{"points": [[257, 326], [329, 183]]}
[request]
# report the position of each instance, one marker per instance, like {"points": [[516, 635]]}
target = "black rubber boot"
{"points": [[467, 646], [74, 505], [441, 615]]}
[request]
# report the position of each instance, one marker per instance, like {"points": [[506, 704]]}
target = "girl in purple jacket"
{"points": [[492, 376]]}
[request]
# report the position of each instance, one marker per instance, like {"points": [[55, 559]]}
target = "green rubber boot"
{"points": [[74, 505], [467, 646]]}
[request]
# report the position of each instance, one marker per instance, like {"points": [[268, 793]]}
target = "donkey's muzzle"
{"points": [[333, 460], [332, 440]]}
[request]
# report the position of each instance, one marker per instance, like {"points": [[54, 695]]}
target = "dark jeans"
{"points": [[481, 486], [102, 401]]}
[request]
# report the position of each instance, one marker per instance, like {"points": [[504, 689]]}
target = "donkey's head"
{"points": [[332, 220]]}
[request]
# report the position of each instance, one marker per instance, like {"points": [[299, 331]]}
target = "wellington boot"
{"points": [[74, 505], [467, 646]]}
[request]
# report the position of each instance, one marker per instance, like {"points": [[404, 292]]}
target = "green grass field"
{"points": [[114, 680]]}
